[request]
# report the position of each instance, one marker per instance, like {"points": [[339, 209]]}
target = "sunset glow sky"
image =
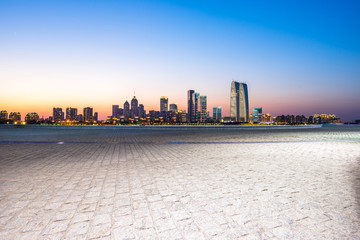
{"points": [[296, 57]]}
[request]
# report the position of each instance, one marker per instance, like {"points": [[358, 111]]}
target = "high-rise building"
{"points": [[15, 116], [58, 114], [164, 104], [239, 102], [217, 113], [142, 112], [197, 107], [191, 106], [203, 109], [126, 110], [115, 111], [173, 107], [32, 117], [96, 116], [88, 115], [134, 107], [3, 115], [71, 114], [256, 114]]}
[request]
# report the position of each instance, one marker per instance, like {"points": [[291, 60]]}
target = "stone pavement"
{"points": [[179, 183]]}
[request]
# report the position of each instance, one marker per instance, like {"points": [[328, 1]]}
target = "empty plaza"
{"points": [[144, 182]]}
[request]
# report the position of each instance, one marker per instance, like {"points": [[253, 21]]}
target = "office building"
{"points": [[239, 102], [3, 115], [71, 114], [126, 110], [88, 115], [217, 114], [142, 112], [197, 107], [256, 115], [203, 109], [15, 116], [173, 107], [134, 107], [58, 114], [164, 104], [191, 106], [96, 116], [115, 111]]}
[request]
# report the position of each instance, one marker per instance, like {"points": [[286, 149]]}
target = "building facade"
{"points": [[88, 115], [58, 114], [191, 106], [197, 107], [217, 115], [3, 115], [239, 102], [134, 107], [15, 116], [256, 115], [126, 110], [164, 104], [115, 111], [142, 112], [32, 117], [203, 109], [71, 114]]}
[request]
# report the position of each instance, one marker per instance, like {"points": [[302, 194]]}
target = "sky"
{"points": [[297, 57]]}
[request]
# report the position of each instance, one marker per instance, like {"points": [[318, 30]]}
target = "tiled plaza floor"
{"points": [[180, 183]]}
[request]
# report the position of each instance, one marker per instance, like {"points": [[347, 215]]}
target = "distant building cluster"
{"points": [[136, 113], [301, 119], [197, 112]]}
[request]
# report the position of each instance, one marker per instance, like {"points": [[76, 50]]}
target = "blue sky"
{"points": [[296, 57]]}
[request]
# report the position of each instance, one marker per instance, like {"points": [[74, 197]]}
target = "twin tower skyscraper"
{"points": [[239, 102]]}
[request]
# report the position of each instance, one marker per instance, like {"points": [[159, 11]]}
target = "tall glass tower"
{"points": [[164, 104], [191, 106], [203, 108], [239, 102]]}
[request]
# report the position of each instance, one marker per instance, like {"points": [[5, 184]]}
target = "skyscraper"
{"points": [[203, 109], [191, 106], [217, 113], [134, 107], [88, 115], [197, 107], [71, 114], [126, 110], [239, 102], [115, 111], [95, 118], [142, 112], [58, 114], [164, 104]]}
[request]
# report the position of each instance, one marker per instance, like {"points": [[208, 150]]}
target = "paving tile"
{"points": [[275, 183]]}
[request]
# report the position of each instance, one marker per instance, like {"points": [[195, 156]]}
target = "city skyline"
{"points": [[196, 106], [78, 54]]}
